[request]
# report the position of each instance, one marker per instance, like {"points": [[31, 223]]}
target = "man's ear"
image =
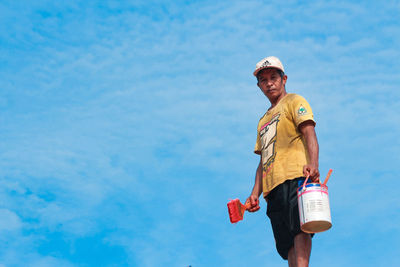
{"points": [[284, 78]]}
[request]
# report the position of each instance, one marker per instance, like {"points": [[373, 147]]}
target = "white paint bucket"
{"points": [[314, 210]]}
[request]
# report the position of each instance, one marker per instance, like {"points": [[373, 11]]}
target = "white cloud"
{"points": [[9, 221]]}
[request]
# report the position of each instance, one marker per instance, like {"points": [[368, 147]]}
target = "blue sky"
{"points": [[126, 127]]}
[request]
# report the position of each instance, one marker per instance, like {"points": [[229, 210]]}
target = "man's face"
{"points": [[271, 83]]}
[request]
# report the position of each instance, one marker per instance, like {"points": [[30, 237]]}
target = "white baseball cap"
{"points": [[268, 62]]}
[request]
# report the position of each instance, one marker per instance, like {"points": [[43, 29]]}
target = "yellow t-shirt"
{"points": [[280, 143]]}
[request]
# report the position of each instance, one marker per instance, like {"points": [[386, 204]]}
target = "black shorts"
{"points": [[283, 211]]}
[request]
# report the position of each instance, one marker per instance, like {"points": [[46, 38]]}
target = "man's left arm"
{"points": [[307, 128]]}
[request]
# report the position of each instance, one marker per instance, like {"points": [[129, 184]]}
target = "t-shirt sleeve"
{"points": [[301, 110], [257, 148]]}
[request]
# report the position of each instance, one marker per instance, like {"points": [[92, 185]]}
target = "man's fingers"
{"points": [[254, 204], [306, 170], [256, 208], [253, 209], [253, 201], [256, 201], [314, 175]]}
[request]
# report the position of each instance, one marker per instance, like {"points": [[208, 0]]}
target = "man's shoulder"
{"points": [[293, 97]]}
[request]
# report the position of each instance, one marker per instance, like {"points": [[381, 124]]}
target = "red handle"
{"points": [[305, 182], [327, 177]]}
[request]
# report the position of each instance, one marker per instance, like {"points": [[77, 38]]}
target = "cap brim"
{"points": [[267, 67]]}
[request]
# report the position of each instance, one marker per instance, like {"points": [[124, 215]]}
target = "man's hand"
{"points": [[312, 171], [254, 203]]}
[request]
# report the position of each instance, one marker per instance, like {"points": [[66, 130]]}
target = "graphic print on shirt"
{"points": [[302, 111], [268, 139]]}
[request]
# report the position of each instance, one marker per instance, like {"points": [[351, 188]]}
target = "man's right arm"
{"points": [[253, 199]]}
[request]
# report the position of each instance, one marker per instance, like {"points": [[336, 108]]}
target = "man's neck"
{"points": [[275, 102]]}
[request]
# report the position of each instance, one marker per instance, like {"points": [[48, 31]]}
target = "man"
{"points": [[288, 149]]}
